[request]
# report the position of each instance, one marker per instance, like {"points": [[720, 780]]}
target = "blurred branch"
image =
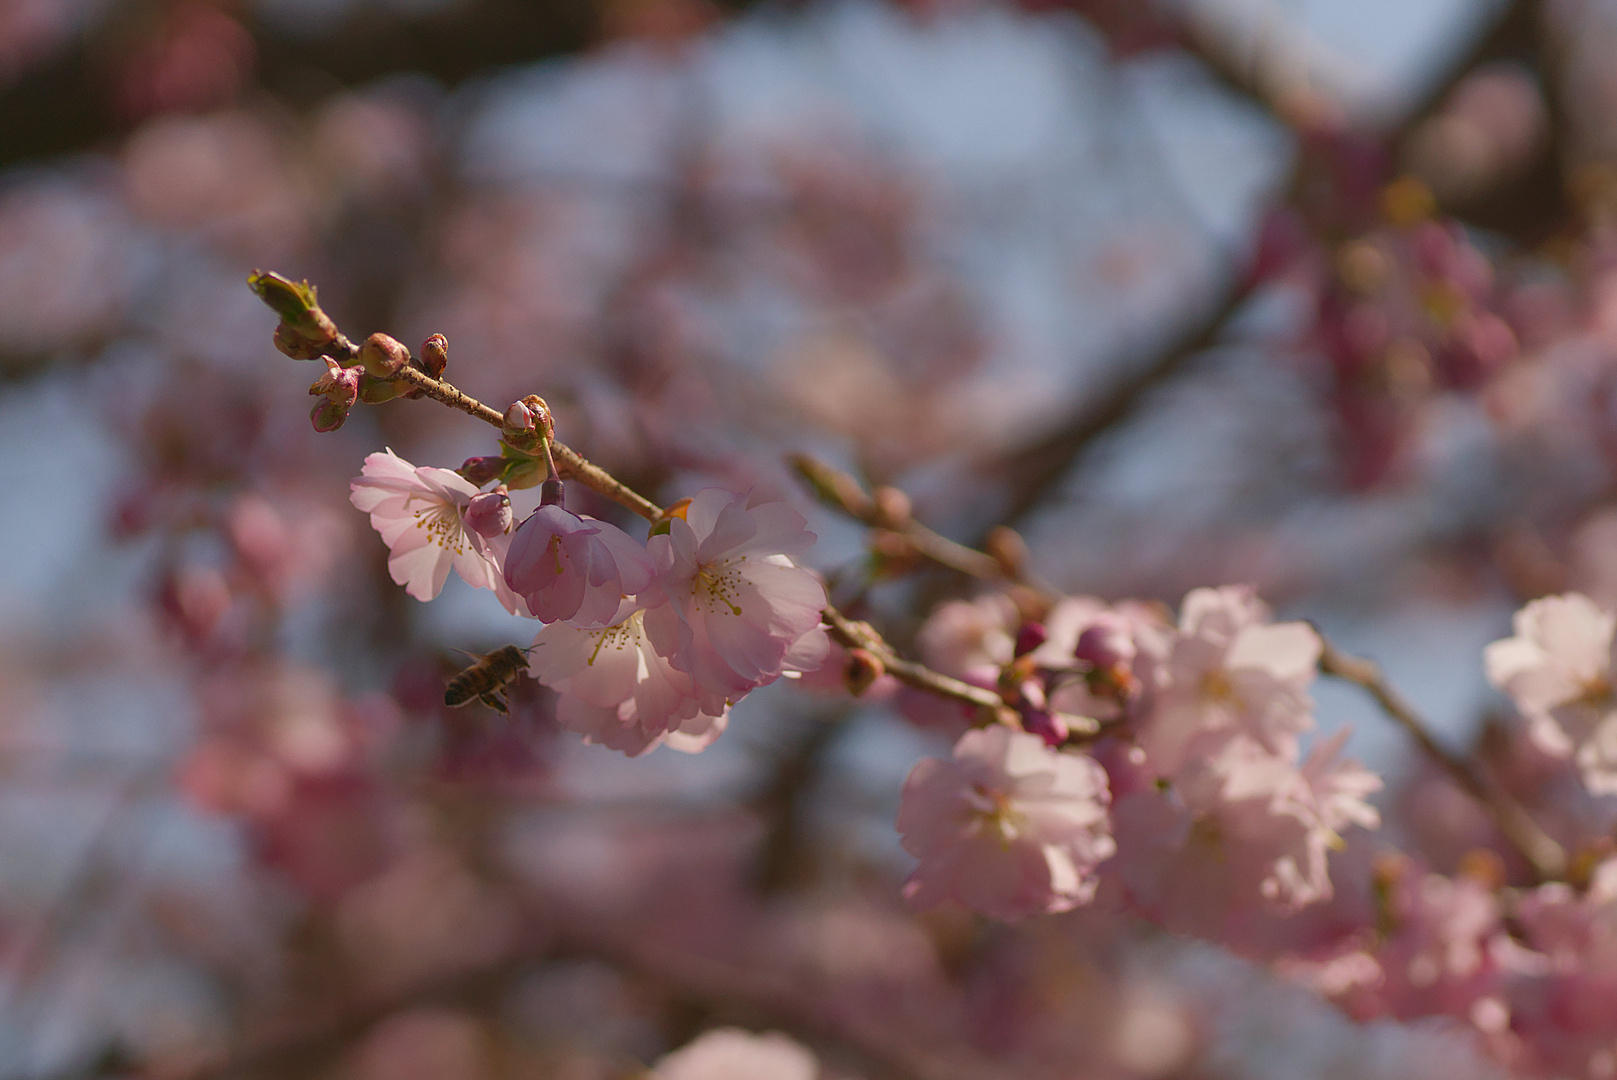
{"points": [[761, 998], [792, 776], [889, 513], [1033, 470], [1541, 851]]}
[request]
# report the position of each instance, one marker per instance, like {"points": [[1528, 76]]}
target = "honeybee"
{"points": [[485, 679]]}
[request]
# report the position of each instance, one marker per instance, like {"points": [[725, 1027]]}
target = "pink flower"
{"points": [[575, 569], [1009, 828], [421, 515], [731, 1054], [617, 691], [1558, 670], [970, 637], [740, 612], [1228, 670], [1240, 827]]}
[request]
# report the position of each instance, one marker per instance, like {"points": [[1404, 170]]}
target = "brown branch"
{"points": [[858, 635], [769, 999], [1523, 833], [840, 491], [1036, 467], [297, 304]]}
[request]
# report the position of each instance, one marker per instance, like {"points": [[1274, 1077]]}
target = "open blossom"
{"points": [[574, 568], [421, 514], [1441, 949], [1228, 670], [1009, 827], [617, 691], [740, 613], [1559, 671], [1240, 827]]}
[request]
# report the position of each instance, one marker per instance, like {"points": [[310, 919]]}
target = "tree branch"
{"points": [[1520, 830]]}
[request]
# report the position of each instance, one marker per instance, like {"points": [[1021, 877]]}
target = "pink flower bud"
{"points": [[863, 669], [518, 420], [1047, 725], [328, 415], [435, 355], [383, 356], [480, 470], [1030, 637], [489, 514], [339, 385], [1105, 644]]}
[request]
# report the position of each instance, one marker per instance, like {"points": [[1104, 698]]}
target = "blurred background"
{"points": [[1311, 294]]}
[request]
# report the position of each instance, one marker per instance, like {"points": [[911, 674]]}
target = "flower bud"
{"points": [[1105, 644], [328, 415], [521, 427], [374, 391], [1009, 550], [480, 470], [435, 355], [305, 330], [1030, 637], [518, 420], [1047, 725], [892, 554], [293, 344], [892, 510], [383, 356], [339, 384], [489, 514], [541, 415], [862, 670]]}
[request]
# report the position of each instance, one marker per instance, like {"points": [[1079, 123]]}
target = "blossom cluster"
{"points": [[1166, 757], [646, 643]]}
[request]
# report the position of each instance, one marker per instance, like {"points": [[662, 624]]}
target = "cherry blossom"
{"points": [[420, 513], [574, 568], [618, 691], [740, 612], [732, 1054], [1227, 669], [1008, 828], [1558, 670], [1240, 828]]}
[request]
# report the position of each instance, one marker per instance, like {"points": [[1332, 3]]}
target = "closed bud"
{"points": [[1007, 548], [518, 420], [328, 415], [305, 330], [892, 509], [373, 391], [435, 355], [383, 356], [1105, 643], [862, 670], [892, 554], [489, 514], [293, 344], [480, 470], [1030, 637], [541, 415], [1047, 725]]}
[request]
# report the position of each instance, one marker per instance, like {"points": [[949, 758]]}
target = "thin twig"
{"points": [[1541, 850], [573, 464], [857, 635], [842, 492]]}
